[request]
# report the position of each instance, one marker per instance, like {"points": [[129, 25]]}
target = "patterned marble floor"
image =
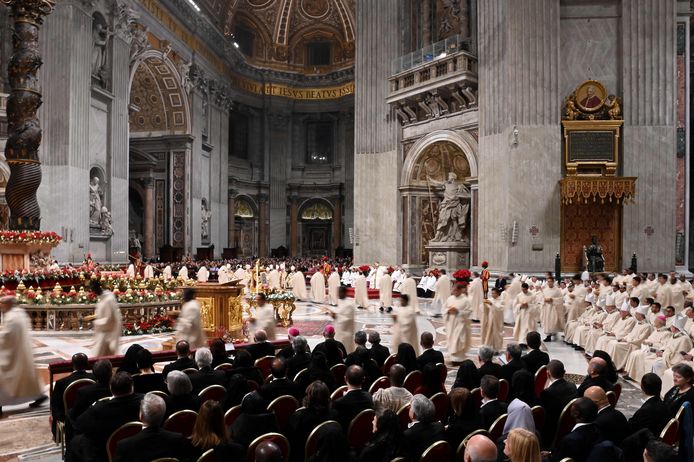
{"points": [[309, 317]]}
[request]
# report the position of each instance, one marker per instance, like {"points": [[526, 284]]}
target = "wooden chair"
{"points": [[612, 398], [617, 389], [476, 395], [339, 393], [565, 424], [276, 438], [437, 452], [160, 394], [166, 459], [567, 459], [404, 416], [390, 360], [443, 370], [301, 375], [539, 417], [360, 429], [189, 371], [215, 392], [283, 408], [338, 371], [182, 422], [264, 364], [311, 442], [398, 459], [69, 398], [441, 403], [231, 415], [253, 385], [540, 380], [671, 433], [460, 452], [380, 383], [503, 390], [680, 416], [413, 381], [224, 367], [207, 456], [124, 431], [497, 428]]}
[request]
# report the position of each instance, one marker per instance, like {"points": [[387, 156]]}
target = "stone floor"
{"points": [[17, 443]]}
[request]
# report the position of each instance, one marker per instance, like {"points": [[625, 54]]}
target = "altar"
{"points": [[221, 308]]}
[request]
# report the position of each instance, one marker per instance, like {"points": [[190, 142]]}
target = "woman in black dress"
{"points": [[385, 443], [683, 377]]}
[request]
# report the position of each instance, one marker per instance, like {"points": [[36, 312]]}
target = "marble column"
{"points": [[231, 218], [148, 245], [337, 223], [293, 226], [263, 223], [426, 22]]}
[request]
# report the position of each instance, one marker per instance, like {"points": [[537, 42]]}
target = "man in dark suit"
{"points": [[334, 350], [578, 443], [80, 363], [597, 368], [184, 360], [535, 358], [355, 399], [485, 355], [261, 347], [88, 395], [359, 341], [491, 408], [153, 442], [424, 431], [205, 376], [554, 398], [95, 425], [500, 283], [513, 361], [653, 414], [378, 352], [280, 384], [429, 355], [611, 423]]}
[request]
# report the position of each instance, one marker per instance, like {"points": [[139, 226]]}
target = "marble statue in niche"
{"points": [[205, 216], [96, 196], [453, 210], [101, 35]]}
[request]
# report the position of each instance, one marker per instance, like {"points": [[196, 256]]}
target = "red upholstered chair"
{"points": [[441, 403], [224, 367], [540, 380], [413, 381], [338, 371], [437, 452], [69, 397], [301, 375], [680, 416], [539, 417], [253, 385], [460, 452], [671, 433], [503, 390], [390, 360], [339, 393], [215, 392], [565, 424], [207, 456], [182, 422], [283, 408], [231, 415], [159, 393], [612, 398], [617, 389], [476, 395], [124, 431], [497, 428], [190, 370], [443, 370], [381, 382], [404, 416], [276, 438], [311, 441], [264, 364], [360, 429]]}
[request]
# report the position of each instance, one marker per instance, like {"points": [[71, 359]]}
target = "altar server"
{"points": [[107, 322], [456, 312], [189, 324], [552, 312], [333, 286], [361, 294], [525, 314], [405, 326], [299, 285]]}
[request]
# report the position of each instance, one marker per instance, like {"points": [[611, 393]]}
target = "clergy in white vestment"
{"points": [[371, 277], [264, 316], [149, 272], [620, 348], [582, 320], [203, 274], [525, 314], [677, 294], [492, 322], [299, 285], [346, 279], [621, 328], [377, 279], [639, 289], [318, 287], [670, 356], [19, 381], [273, 279], [343, 314], [385, 292], [663, 293], [130, 272], [512, 291], [107, 322], [361, 294], [397, 281], [652, 284], [183, 273], [409, 288], [456, 313], [552, 312], [167, 273], [240, 273], [223, 275], [638, 360], [442, 290], [405, 325], [333, 286], [189, 322], [599, 328]]}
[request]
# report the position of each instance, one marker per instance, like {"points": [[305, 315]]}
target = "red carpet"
{"points": [[373, 293]]}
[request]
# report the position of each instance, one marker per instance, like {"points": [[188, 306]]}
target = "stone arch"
{"points": [[160, 103], [243, 201], [462, 140], [308, 203]]}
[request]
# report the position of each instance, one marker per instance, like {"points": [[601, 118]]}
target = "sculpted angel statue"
{"points": [[453, 210]]}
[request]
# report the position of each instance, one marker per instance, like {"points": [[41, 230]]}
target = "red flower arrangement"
{"points": [[364, 268], [462, 275], [485, 264], [29, 237], [390, 270]]}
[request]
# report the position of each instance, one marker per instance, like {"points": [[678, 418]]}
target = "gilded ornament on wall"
{"points": [[590, 101]]}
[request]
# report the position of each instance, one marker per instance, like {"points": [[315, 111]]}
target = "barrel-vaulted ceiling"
{"points": [[307, 36]]}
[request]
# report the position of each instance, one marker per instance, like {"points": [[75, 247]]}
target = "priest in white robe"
{"points": [[385, 292], [442, 290], [203, 274], [167, 273], [670, 356], [19, 381], [183, 273], [637, 360], [512, 291], [552, 312], [223, 275], [456, 313], [189, 323], [333, 286], [318, 287], [620, 348], [299, 285], [273, 279], [130, 272], [264, 316], [492, 323], [409, 288], [663, 293], [405, 325], [525, 314], [677, 294], [343, 314], [149, 271], [476, 296], [361, 294], [108, 325], [621, 328]]}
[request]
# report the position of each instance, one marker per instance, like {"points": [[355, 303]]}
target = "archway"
{"points": [[315, 228], [245, 227]]}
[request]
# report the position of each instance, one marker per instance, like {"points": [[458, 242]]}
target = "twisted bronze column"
{"points": [[24, 130]]}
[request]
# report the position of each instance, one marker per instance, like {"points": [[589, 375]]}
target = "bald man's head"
{"points": [[260, 335], [598, 396], [267, 451], [480, 449], [597, 367]]}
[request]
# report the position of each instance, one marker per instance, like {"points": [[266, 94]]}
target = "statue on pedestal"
{"points": [[453, 210], [595, 257], [96, 196], [205, 215]]}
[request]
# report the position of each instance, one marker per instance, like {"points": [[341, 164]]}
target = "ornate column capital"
{"points": [[233, 193], [31, 11]]}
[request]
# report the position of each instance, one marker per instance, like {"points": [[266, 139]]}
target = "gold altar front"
{"points": [[221, 307]]}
